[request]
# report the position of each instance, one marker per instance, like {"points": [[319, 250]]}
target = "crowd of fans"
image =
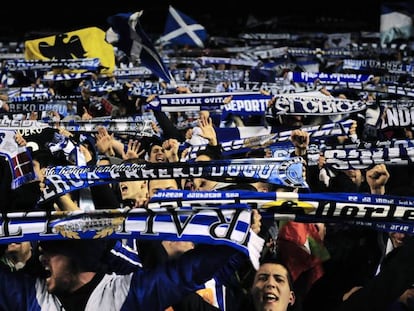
{"points": [[304, 265]]}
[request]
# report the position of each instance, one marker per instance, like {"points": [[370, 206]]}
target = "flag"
{"points": [[396, 21], [83, 43], [301, 247], [183, 30], [19, 159], [127, 34]]}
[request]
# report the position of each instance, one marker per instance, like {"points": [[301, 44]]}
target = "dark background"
{"points": [[30, 19]]}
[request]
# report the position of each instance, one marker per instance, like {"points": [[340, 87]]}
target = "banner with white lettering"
{"points": [[140, 126], [381, 212], [312, 77], [398, 115], [26, 107], [244, 145], [228, 225], [345, 159], [310, 103], [395, 67], [67, 76], [241, 102], [285, 172], [92, 64], [211, 217], [6, 124], [400, 89]]}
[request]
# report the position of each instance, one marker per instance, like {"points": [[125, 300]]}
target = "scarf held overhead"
{"points": [[286, 172], [380, 212], [229, 226]]}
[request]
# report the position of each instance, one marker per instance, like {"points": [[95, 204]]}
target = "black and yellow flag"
{"points": [[83, 43]]}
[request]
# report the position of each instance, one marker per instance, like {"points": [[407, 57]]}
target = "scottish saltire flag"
{"points": [[396, 21], [183, 30], [127, 34], [83, 43]]}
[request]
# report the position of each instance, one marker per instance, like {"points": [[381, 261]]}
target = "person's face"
{"points": [[261, 186], [161, 184], [62, 279], [19, 251], [157, 155], [355, 176], [397, 238], [201, 184], [271, 290], [133, 190]]}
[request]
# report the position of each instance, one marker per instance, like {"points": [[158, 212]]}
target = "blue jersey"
{"points": [[154, 289]]}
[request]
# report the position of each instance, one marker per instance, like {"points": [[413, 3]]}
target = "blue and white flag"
{"points": [[127, 34], [396, 21], [181, 29]]}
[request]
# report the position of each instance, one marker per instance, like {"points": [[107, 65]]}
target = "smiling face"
{"points": [[271, 289], [157, 154]]}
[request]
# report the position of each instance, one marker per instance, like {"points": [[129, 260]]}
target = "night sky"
{"points": [[219, 17]]}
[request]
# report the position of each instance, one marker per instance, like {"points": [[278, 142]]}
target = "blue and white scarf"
{"points": [[139, 126], [312, 77], [253, 102], [92, 64], [345, 159], [229, 225], [25, 107], [399, 114], [264, 139], [66, 76], [286, 172], [381, 212], [372, 64], [311, 103]]}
